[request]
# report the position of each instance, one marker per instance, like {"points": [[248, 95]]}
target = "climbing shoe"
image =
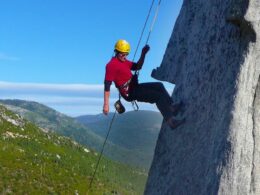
{"points": [[174, 123], [175, 108]]}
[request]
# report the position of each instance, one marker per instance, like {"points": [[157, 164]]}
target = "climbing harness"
{"points": [[118, 105], [136, 73], [127, 86]]}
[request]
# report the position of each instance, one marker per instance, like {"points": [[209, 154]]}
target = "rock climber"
{"points": [[118, 70]]}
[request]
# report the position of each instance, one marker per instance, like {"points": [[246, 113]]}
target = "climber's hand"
{"points": [[105, 109], [145, 49]]}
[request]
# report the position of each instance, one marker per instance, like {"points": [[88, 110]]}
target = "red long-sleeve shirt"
{"points": [[119, 72]]}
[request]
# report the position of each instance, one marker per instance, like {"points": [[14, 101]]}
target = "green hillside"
{"points": [[36, 162], [140, 127], [51, 120], [134, 131], [131, 141]]}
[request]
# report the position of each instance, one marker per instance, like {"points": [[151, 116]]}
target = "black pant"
{"points": [[153, 92]]}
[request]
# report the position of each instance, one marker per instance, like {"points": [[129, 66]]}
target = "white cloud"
{"points": [[49, 87], [70, 99], [42, 89]]}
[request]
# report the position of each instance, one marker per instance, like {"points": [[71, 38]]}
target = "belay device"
{"points": [[119, 107]]}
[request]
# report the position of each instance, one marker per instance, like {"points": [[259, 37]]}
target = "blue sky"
{"points": [[55, 51]]}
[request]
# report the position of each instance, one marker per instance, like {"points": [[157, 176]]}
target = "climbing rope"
{"points": [[154, 19], [151, 28], [134, 104], [136, 72], [141, 36], [102, 150]]}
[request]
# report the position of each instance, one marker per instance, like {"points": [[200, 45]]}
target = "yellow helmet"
{"points": [[122, 46]]}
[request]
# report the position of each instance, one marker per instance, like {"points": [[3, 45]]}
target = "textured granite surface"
{"points": [[213, 58]]}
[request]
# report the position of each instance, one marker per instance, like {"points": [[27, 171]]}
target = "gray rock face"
{"points": [[213, 57]]}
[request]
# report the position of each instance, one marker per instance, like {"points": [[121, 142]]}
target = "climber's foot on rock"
{"points": [[175, 108], [174, 123]]}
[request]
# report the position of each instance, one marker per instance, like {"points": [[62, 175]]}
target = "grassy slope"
{"points": [[135, 131], [52, 120], [34, 162], [132, 138]]}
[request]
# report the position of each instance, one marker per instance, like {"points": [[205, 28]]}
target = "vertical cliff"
{"points": [[213, 58]]}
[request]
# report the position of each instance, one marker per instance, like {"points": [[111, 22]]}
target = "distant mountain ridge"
{"points": [[37, 162], [133, 130], [51, 120], [86, 119], [132, 138]]}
